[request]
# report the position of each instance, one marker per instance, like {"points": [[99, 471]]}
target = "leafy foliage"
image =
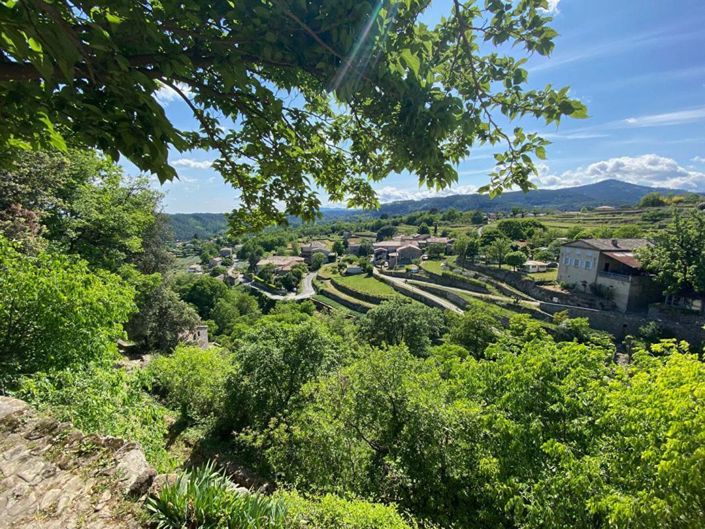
{"points": [[192, 380], [55, 313], [101, 399], [678, 255], [498, 250], [474, 330], [202, 291], [410, 97], [400, 321], [162, 317], [203, 497], [277, 358], [515, 259], [333, 512]]}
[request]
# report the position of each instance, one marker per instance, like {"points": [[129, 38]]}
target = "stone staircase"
{"points": [[52, 476]]}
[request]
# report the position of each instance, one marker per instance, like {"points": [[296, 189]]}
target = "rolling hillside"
{"points": [[605, 193], [202, 225]]}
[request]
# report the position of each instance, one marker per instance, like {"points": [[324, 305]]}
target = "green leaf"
{"points": [[411, 60]]}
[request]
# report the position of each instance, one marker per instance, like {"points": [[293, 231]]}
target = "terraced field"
{"points": [[433, 266], [366, 285], [335, 304]]}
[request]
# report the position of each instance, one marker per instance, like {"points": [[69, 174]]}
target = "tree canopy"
{"points": [[678, 255], [292, 96]]}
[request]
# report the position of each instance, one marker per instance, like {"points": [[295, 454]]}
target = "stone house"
{"points": [[353, 270], [408, 253], [307, 250], [608, 267], [226, 252], [281, 263], [389, 251], [444, 241], [532, 266], [195, 269]]}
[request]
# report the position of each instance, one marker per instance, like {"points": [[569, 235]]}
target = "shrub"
{"points": [[474, 330], [105, 400], [192, 380], [205, 498], [332, 512], [55, 312], [318, 259], [275, 359]]}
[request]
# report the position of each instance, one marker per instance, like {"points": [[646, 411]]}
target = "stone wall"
{"points": [[52, 476], [451, 280], [405, 290], [620, 325], [346, 302], [447, 294], [529, 287]]}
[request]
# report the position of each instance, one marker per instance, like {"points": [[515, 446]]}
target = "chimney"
{"points": [[615, 243]]}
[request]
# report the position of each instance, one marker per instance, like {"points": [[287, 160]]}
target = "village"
{"points": [[451, 265]]}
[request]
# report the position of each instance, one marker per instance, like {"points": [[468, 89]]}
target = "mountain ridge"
{"points": [[610, 192]]}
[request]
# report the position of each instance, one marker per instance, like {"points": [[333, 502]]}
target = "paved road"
{"points": [[435, 299], [479, 295], [307, 290]]}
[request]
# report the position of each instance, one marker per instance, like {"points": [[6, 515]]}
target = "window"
{"points": [[576, 263], [567, 259], [588, 265]]}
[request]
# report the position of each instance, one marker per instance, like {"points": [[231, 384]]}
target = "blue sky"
{"points": [[639, 65]]}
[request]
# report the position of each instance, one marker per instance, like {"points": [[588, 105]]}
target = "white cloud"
{"points": [[667, 118], [393, 194], [167, 94], [552, 7], [192, 164], [698, 159], [648, 169]]}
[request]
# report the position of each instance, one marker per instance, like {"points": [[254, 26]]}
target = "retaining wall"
{"points": [[403, 289], [620, 325], [518, 281], [346, 302]]}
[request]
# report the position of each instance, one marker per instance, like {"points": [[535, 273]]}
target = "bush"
{"points": [[105, 400], [401, 321], [55, 312], [205, 498], [192, 380], [318, 259], [332, 512], [474, 330]]}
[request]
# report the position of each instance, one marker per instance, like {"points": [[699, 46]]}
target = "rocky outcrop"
{"points": [[52, 476]]}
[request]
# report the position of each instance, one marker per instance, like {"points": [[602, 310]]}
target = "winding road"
{"points": [[306, 291]]}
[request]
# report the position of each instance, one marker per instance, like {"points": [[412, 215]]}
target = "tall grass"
{"points": [[203, 498]]}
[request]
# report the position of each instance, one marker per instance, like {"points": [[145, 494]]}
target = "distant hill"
{"points": [[606, 193], [203, 225]]}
